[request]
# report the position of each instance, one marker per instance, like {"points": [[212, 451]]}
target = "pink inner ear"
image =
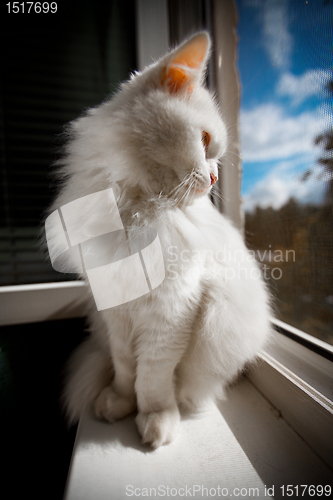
{"points": [[176, 79], [193, 53], [175, 75]]}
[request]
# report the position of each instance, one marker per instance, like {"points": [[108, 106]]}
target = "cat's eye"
{"points": [[205, 140]]}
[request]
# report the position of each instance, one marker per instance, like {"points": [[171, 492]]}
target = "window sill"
{"points": [[242, 444], [299, 384], [109, 460], [292, 385], [41, 302]]}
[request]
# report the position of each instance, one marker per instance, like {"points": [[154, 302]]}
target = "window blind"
{"points": [[53, 67]]}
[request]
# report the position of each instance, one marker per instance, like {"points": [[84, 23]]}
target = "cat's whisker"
{"points": [[187, 191], [234, 153], [220, 195], [229, 161], [176, 190], [190, 187], [217, 193]]}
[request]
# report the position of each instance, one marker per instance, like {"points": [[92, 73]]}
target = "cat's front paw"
{"points": [[110, 406], [160, 427]]}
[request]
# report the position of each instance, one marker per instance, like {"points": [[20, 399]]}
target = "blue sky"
{"points": [[285, 60]]}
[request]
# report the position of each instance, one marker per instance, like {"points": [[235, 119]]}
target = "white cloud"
{"points": [[301, 87], [277, 38], [269, 133], [275, 190]]}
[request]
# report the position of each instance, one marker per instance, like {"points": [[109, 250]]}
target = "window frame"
{"points": [[298, 383]]}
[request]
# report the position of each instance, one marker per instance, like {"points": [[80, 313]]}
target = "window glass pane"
{"points": [[53, 66], [285, 63]]}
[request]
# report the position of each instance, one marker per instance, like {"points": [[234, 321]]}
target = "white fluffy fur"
{"points": [[183, 342]]}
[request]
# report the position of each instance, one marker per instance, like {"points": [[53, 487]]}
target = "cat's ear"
{"points": [[186, 64]]}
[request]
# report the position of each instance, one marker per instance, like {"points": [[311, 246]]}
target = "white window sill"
{"points": [[41, 302], [109, 460], [277, 422], [243, 444]]}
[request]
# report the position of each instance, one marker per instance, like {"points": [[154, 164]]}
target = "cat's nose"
{"points": [[213, 179]]}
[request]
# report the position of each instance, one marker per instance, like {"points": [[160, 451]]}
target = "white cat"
{"points": [[157, 143]]}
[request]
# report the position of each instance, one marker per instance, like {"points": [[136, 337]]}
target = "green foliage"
{"points": [[326, 140], [304, 295]]}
